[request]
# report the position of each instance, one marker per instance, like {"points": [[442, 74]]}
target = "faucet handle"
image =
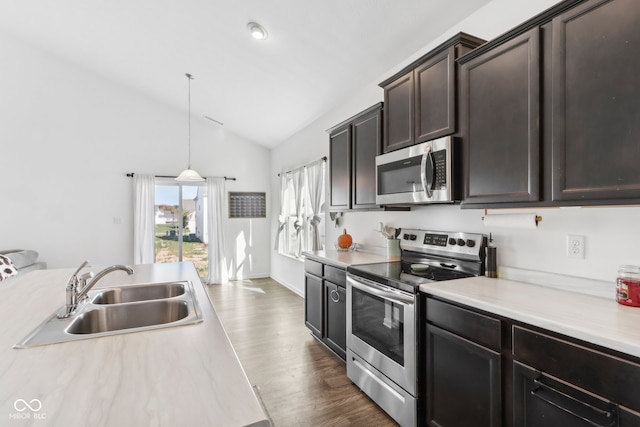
{"points": [[83, 265], [73, 280]]}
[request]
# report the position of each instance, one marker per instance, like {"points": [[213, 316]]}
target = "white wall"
{"points": [[69, 136], [609, 232]]}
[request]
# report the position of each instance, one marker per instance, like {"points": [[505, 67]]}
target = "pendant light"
{"points": [[189, 175]]}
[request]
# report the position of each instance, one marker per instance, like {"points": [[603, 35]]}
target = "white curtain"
{"points": [[144, 219], [215, 202], [282, 218], [315, 187], [298, 185]]}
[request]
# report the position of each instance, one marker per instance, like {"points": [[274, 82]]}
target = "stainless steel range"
{"points": [[383, 314]]}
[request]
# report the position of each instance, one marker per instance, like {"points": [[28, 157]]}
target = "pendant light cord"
{"points": [[190, 77]]}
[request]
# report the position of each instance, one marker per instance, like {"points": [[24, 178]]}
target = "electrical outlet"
{"points": [[575, 246]]}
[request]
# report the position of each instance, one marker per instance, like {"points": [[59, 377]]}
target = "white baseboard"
{"points": [[289, 286], [251, 276]]}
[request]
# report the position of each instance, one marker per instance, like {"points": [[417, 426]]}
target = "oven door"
{"points": [[381, 329]]}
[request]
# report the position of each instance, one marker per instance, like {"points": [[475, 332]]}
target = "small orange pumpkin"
{"points": [[344, 240]]}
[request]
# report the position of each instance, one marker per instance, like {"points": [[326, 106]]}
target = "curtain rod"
{"points": [[323, 159], [226, 178]]}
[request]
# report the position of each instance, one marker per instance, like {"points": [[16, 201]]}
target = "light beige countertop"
{"points": [[597, 320], [184, 375], [346, 258]]}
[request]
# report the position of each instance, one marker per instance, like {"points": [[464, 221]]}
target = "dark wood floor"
{"points": [[300, 381]]}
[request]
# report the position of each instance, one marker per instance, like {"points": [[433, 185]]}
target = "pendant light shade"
{"points": [[189, 175]]}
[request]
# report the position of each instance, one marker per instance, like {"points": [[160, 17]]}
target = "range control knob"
{"points": [[461, 242], [413, 237], [405, 236], [452, 241], [471, 243]]}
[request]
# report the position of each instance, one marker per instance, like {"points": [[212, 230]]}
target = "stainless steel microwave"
{"points": [[418, 174]]}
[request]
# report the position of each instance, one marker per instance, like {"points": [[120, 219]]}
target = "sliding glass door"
{"points": [[180, 223]]}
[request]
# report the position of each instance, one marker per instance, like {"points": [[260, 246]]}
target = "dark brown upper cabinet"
{"points": [[420, 100], [501, 108], [596, 102], [550, 111], [399, 114], [435, 101], [340, 168], [366, 144], [353, 147]]}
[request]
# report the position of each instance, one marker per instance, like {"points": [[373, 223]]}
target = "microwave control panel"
{"points": [[440, 172]]}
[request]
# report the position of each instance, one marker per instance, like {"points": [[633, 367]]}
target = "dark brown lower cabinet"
{"points": [[463, 382], [530, 377], [541, 400], [326, 304]]}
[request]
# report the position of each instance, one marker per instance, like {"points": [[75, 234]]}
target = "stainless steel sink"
{"points": [[121, 310], [139, 293], [128, 316]]}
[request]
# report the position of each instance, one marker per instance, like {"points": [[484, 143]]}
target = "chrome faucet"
{"points": [[79, 285]]}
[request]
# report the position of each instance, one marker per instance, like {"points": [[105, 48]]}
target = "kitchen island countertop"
{"points": [[184, 375], [593, 319]]}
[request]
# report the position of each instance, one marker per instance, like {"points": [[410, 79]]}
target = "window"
{"points": [[302, 210], [180, 223]]}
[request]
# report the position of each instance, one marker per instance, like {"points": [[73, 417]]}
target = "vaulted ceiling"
{"points": [[317, 53]]}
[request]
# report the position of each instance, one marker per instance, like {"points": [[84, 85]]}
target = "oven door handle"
{"points": [[426, 183], [371, 287]]}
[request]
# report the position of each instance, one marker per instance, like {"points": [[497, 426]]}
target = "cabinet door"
{"points": [[336, 318], [366, 145], [541, 400], [435, 88], [501, 108], [313, 306], [463, 382], [398, 117], [340, 168], [596, 113]]}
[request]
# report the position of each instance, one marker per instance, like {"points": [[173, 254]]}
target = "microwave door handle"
{"points": [[426, 183]]}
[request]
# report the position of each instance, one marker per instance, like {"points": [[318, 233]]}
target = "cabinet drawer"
{"points": [[541, 400], [313, 267], [477, 327], [335, 275], [628, 418], [612, 377]]}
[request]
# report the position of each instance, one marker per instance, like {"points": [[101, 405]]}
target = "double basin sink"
{"points": [[119, 310]]}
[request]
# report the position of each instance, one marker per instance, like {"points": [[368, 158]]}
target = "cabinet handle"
{"points": [[541, 388], [337, 299]]}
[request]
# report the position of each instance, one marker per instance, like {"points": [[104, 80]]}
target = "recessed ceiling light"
{"points": [[257, 31]]}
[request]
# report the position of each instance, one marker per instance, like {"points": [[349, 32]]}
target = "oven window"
{"points": [[379, 323], [402, 176]]}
